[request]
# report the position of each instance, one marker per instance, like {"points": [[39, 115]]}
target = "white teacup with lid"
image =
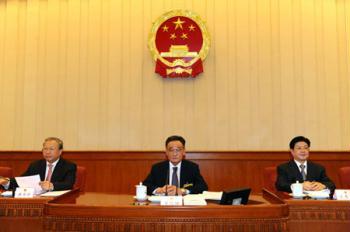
{"points": [[297, 189], [141, 192]]}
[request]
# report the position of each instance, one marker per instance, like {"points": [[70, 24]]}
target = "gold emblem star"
{"points": [[191, 27], [184, 36], [178, 23], [165, 28], [173, 36]]}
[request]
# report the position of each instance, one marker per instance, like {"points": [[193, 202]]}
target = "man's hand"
{"points": [[317, 186], [46, 185], [4, 180], [160, 191], [313, 186], [170, 190]]}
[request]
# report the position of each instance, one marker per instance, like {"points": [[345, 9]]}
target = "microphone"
{"points": [[167, 182]]}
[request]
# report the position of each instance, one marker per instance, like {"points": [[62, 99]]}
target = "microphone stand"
{"points": [[166, 183]]}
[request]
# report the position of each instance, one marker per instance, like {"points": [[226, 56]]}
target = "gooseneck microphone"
{"points": [[167, 182]]}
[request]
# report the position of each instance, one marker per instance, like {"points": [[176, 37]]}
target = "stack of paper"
{"points": [[54, 193], [194, 199], [319, 194], [6, 194], [30, 182], [212, 195]]}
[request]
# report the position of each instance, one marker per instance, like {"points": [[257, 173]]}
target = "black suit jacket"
{"points": [[189, 175], [288, 173], [63, 176]]}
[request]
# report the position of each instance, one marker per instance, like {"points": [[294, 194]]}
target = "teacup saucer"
{"points": [[141, 199], [297, 196]]}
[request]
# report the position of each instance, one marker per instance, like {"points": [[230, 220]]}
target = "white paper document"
{"points": [[30, 182], [342, 194], [212, 195], [171, 200], [54, 193], [6, 194], [194, 199], [322, 194]]}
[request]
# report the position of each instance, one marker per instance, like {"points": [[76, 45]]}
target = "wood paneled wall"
{"points": [[120, 171], [81, 70]]}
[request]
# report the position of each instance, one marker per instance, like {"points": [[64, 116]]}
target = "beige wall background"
{"points": [[81, 70]]}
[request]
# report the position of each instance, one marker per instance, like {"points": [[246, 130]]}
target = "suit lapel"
{"points": [[42, 170], [166, 176], [56, 171], [310, 171], [183, 173]]}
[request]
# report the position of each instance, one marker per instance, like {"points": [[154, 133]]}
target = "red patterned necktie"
{"points": [[49, 173]]}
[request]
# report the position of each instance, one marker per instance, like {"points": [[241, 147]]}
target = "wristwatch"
{"points": [[184, 191]]}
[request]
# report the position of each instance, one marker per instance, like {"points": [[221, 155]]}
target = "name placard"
{"points": [[342, 194], [24, 193], [171, 200]]}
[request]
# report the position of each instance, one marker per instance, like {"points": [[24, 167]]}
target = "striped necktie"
{"points": [[302, 171], [175, 179]]}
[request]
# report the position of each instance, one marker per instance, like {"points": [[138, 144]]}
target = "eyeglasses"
{"points": [[175, 149]]}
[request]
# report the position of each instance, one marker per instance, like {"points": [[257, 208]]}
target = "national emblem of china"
{"points": [[179, 42]]}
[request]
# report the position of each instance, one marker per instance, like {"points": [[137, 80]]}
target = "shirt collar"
{"points": [[172, 165], [53, 164], [298, 163]]}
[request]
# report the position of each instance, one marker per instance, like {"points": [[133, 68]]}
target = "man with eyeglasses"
{"points": [[175, 176]]}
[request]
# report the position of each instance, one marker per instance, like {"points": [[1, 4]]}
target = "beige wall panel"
{"points": [[288, 89], [114, 64], [152, 99], [9, 74], [222, 76], [343, 22], [246, 76], [31, 79], [71, 73], [332, 79], [309, 75], [2, 66], [231, 70], [81, 70], [264, 82], [320, 70], [276, 78]]}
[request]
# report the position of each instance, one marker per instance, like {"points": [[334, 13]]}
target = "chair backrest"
{"points": [[344, 177], [269, 175], [80, 178], [6, 172]]}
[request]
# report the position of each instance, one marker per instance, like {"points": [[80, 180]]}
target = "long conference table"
{"points": [[75, 211]]}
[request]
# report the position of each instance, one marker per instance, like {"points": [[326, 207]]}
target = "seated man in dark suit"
{"points": [[55, 172], [175, 176], [312, 175]]}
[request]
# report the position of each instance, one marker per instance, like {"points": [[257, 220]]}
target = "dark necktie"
{"points": [[174, 179], [302, 171]]}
